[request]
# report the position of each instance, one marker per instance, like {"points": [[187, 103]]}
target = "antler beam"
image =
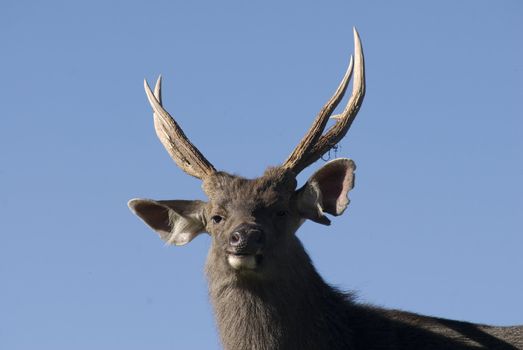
{"points": [[314, 144], [181, 150]]}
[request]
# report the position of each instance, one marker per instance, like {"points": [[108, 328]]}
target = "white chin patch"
{"points": [[242, 261]]}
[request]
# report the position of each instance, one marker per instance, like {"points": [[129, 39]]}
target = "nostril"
{"points": [[235, 238]]}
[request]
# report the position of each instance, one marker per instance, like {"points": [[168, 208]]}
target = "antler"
{"points": [[181, 150], [314, 144]]}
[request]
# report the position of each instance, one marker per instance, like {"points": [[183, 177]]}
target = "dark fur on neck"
{"points": [[296, 309], [283, 312]]}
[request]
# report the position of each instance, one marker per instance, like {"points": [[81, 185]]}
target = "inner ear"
{"points": [[177, 221], [155, 215], [326, 191], [334, 181]]}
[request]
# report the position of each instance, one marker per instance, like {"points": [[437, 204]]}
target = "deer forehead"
{"points": [[234, 192]]}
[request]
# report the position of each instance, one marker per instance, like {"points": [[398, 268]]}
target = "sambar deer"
{"points": [[264, 288]]}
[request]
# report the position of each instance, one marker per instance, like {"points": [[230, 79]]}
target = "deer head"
{"points": [[252, 222]]}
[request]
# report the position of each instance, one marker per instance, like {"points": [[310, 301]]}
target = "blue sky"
{"points": [[435, 222]]}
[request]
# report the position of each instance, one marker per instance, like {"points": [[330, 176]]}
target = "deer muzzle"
{"points": [[245, 247]]}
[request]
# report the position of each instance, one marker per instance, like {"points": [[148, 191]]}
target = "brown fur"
{"points": [[265, 291], [284, 303], [291, 307]]}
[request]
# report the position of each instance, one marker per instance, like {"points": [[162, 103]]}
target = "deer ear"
{"points": [[177, 222], [327, 190]]}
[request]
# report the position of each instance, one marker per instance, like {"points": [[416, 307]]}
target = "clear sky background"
{"points": [[436, 220]]}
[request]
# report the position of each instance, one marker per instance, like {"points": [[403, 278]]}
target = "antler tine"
{"points": [[317, 127], [344, 120], [181, 150], [158, 90]]}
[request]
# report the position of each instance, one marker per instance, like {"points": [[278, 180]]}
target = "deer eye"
{"points": [[281, 213], [216, 219]]}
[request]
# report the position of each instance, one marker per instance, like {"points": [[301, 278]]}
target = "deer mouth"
{"points": [[244, 261]]}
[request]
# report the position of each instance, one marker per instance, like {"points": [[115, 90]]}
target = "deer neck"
{"points": [[276, 312]]}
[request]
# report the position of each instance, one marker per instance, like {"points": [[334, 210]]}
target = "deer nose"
{"points": [[246, 239]]}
